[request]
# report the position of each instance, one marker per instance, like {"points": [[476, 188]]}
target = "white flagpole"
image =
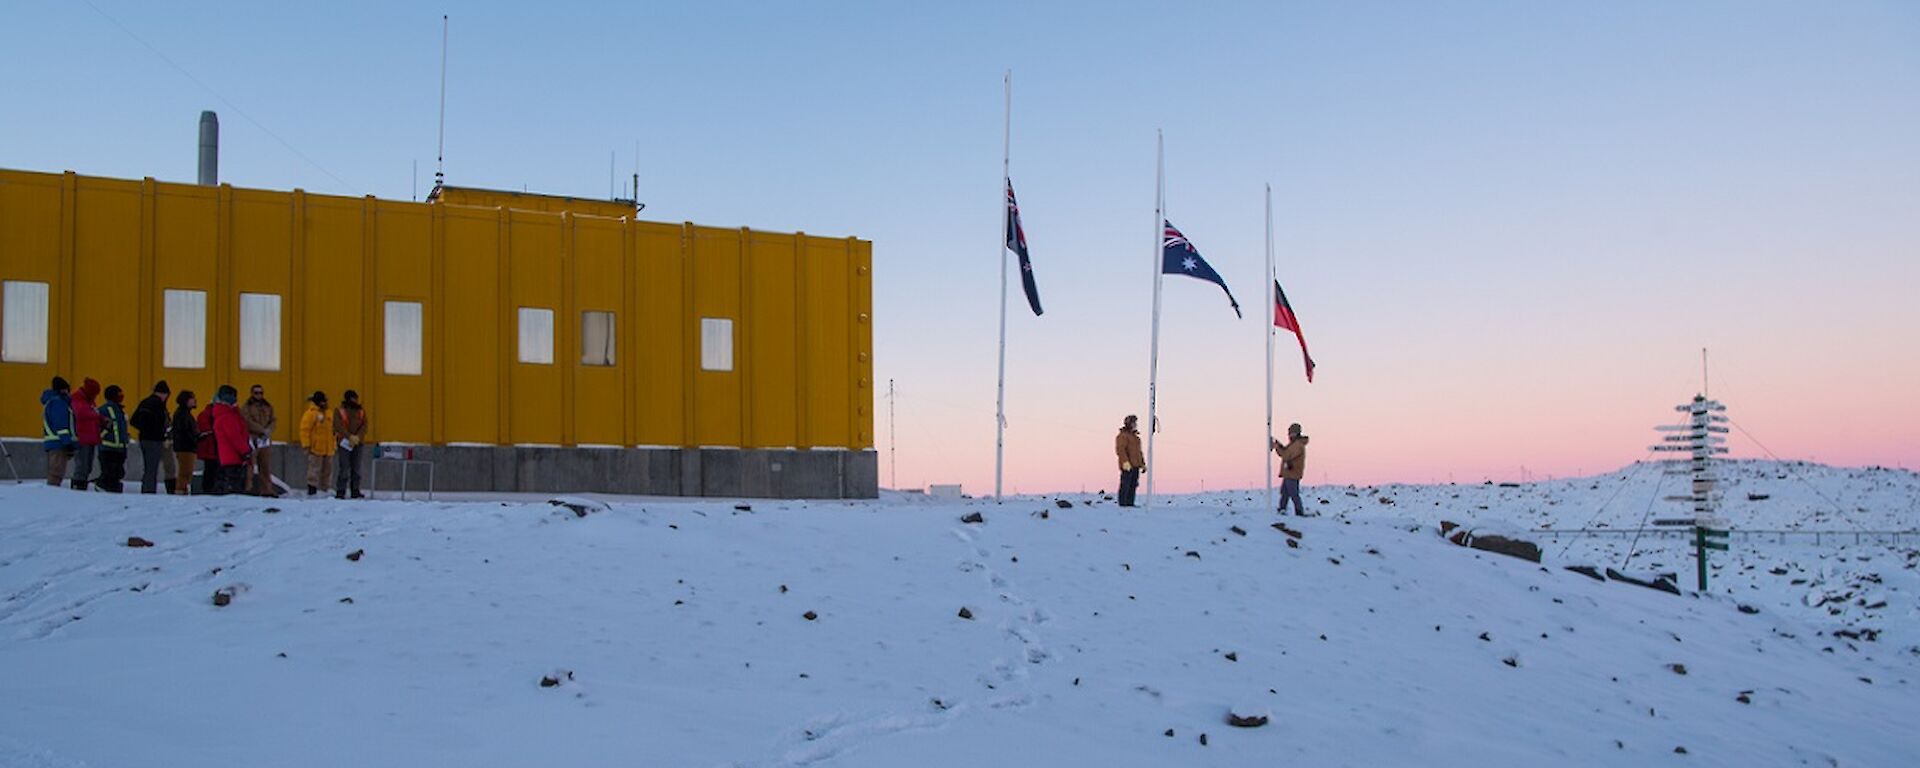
{"points": [[1153, 357], [1266, 446], [1000, 403]]}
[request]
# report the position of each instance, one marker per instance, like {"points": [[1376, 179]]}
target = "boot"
{"points": [[312, 490]]}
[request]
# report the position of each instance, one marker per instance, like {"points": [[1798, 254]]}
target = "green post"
{"points": [[1700, 554]]}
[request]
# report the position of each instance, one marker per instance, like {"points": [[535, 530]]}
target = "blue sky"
{"points": [[1489, 213]]}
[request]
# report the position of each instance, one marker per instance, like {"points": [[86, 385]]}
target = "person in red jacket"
{"points": [[230, 432], [86, 431], [207, 450]]}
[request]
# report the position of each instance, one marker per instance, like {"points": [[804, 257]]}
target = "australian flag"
{"points": [[1017, 242], [1178, 257]]}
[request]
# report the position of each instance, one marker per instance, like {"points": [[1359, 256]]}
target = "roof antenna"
{"points": [[637, 205], [610, 193], [440, 161]]}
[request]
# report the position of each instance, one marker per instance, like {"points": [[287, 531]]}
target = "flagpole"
{"points": [[1266, 447], [1153, 356], [1000, 403]]}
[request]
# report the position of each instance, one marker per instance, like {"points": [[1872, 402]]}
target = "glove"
{"points": [[1126, 466]]}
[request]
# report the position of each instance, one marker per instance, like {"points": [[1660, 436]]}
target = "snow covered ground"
{"points": [[693, 633]]}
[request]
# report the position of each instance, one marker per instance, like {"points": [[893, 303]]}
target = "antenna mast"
{"points": [[440, 160]]}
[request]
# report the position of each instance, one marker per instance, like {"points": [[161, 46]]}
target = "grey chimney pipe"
{"points": [[209, 149]]}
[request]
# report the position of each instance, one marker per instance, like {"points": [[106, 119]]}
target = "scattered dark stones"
{"points": [[1232, 656], [1249, 721], [743, 507], [280, 655], [137, 542], [965, 613], [1587, 571], [1203, 739], [1679, 750], [783, 589], [1063, 504], [810, 616], [346, 600], [1483, 636], [555, 679], [1291, 544], [223, 597], [1745, 697], [940, 705], [1748, 609], [1660, 583], [1193, 554], [973, 518], [1291, 533], [1501, 545], [1238, 531], [1169, 733], [1334, 560], [1678, 669], [1511, 661], [579, 509], [270, 511], [356, 555]]}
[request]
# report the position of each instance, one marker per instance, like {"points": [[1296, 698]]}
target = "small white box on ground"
{"points": [[944, 491]]}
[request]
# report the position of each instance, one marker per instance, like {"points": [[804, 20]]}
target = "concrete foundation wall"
{"points": [[716, 472]]}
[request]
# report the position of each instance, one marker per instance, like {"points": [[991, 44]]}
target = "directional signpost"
{"points": [[1702, 437]]}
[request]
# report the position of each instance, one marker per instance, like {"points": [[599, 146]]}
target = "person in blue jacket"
{"points": [[56, 423]]}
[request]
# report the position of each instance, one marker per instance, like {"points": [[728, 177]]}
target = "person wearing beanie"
{"points": [[1293, 469], [261, 424], [56, 423], [232, 442], [113, 440], [316, 437], [186, 441], [150, 425], [86, 432], [1126, 449], [350, 435]]}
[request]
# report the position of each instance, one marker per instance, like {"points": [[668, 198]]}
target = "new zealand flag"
{"points": [[1017, 242], [1178, 257]]}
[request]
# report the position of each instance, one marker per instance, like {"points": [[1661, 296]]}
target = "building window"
{"points": [[716, 344], [23, 328], [259, 332], [536, 335], [596, 338], [185, 329], [403, 338]]}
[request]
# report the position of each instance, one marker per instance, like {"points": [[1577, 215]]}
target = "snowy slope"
{"points": [[1095, 631]]}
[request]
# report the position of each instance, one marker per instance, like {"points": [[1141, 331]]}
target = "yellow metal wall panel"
{"points": [[717, 402], [525, 201], [403, 250], [30, 249], [261, 233], [829, 345], [471, 326], [771, 319], [106, 266], [185, 241], [334, 316], [661, 325], [600, 396], [863, 384], [534, 391]]}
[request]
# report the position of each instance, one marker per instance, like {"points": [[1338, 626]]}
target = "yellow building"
{"points": [[521, 342]]}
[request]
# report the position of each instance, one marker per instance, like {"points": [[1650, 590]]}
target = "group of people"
{"points": [[233, 441], [1293, 463]]}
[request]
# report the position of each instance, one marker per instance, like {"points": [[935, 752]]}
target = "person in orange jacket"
{"points": [[1126, 449], [350, 434]]}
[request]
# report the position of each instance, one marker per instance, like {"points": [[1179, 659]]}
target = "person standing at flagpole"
{"points": [[1126, 450], [1293, 469]]}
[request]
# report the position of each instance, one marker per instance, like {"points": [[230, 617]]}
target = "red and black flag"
{"points": [[1284, 318], [1017, 242]]}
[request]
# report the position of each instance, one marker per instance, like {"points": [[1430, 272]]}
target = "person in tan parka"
{"points": [[261, 424], [1126, 448], [316, 436], [1293, 468]]}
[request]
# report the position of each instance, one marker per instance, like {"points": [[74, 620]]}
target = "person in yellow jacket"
{"points": [[1126, 448], [1293, 469], [316, 436]]}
